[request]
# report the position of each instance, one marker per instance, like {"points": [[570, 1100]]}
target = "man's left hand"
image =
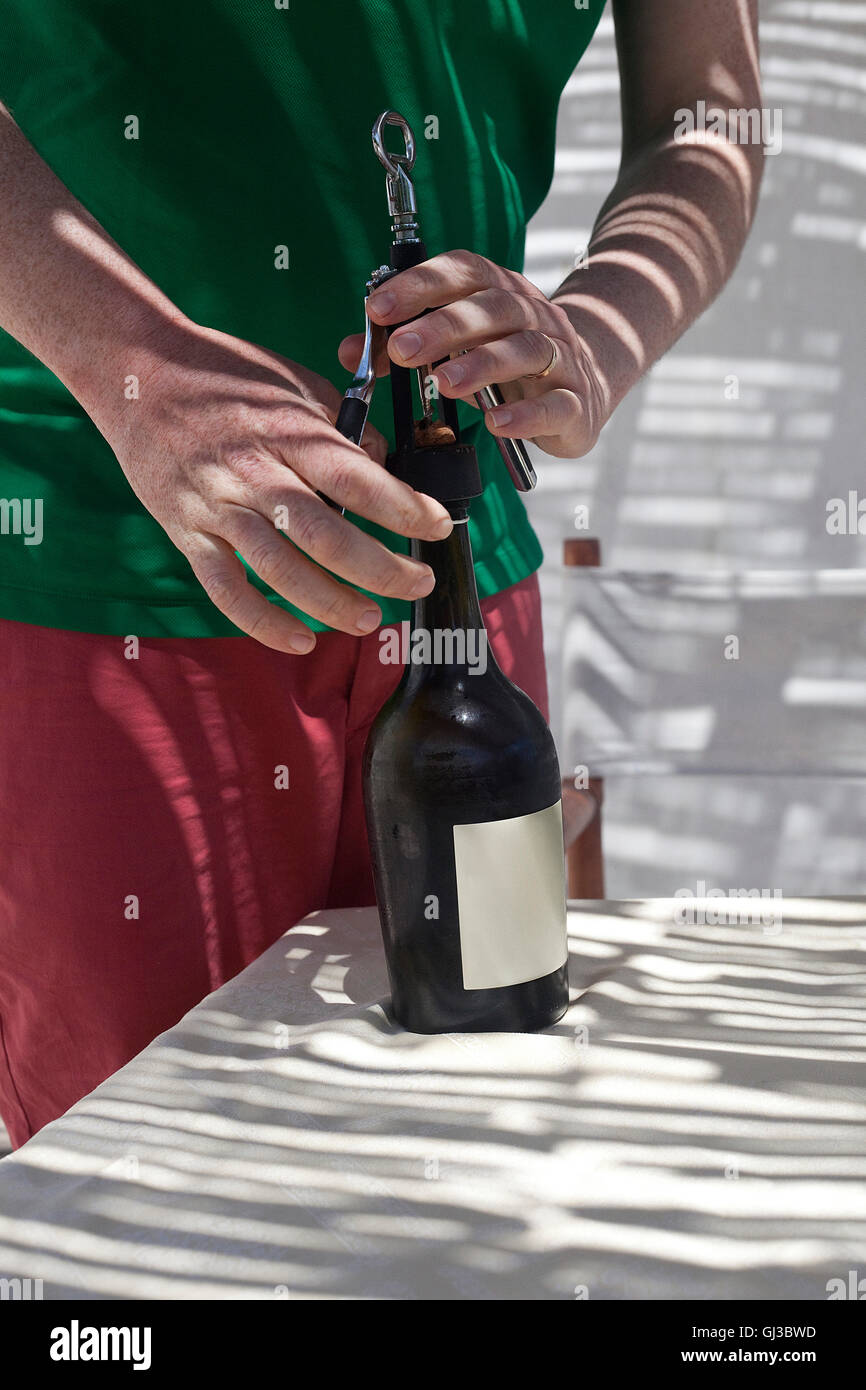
{"points": [[497, 327]]}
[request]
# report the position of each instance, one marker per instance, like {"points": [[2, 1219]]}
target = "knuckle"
{"points": [[408, 519], [261, 556], [564, 415], [310, 529], [527, 341], [255, 624], [525, 310], [561, 322], [373, 495], [220, 587], [305, 445], [340, 609], [412, 514], [483, 366], [421, 279], [468, 261], [501, 302], [273, 560], [443, 325], [507, 308], [342, 480], [245, 465], [388, 578], [336, 545], [575, 411], [475, 363]]}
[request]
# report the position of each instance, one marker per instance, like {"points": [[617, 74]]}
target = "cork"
{"points": [[432, 435]]}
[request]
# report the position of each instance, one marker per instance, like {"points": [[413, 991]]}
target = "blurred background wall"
{"points": [[712, 511]]}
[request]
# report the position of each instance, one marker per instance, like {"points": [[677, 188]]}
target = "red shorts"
{"points": [[149, 845]]}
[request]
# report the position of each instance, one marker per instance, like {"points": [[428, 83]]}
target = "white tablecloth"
{"points": [[693, 1128]]}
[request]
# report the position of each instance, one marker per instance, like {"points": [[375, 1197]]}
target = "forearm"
{"points": [[68, 292], [664, 244]]}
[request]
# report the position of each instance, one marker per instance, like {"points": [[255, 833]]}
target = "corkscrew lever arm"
{"points": [[513, 451], [355, 405]]}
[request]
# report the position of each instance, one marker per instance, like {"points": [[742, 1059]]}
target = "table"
{"points": [[693, 1128]]}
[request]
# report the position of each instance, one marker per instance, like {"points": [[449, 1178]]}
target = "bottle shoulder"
{"points": [[463, 700], [482, 727]]}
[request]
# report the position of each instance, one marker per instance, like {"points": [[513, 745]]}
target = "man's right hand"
{"points": [[226, 443], [226, 446]]}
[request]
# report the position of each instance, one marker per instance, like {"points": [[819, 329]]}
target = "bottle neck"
{"points": [[453, 602], [448, 641]]}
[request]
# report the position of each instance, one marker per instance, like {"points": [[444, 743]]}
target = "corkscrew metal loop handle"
{"points": [[392, 161], [401, 191]]}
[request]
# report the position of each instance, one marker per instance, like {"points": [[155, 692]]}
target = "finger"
{"points": [[523, 354], [556, 413], [293, 575], [490, 314], [440, 280], [338, 545], [349, 353], [224, 580], [343, 472], [374, 445]]}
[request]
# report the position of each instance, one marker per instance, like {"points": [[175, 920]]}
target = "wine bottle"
{"points": [[463, 807]]}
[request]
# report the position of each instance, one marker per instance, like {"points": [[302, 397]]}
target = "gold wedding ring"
{"points": [[554, 358]]}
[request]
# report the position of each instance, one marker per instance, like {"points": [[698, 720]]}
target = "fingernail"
{"points": [[453, 372], [369, 620], [443, 528], [302, 642], [382, 301], [407, 345], [502, 416]]}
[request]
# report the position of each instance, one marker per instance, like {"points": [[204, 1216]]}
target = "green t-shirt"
{"points": [[254, 125]]}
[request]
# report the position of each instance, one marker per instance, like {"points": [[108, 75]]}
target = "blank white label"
{"points": [[511, 898]]}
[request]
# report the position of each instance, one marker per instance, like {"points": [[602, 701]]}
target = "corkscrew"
{"points": [[428, 452]]}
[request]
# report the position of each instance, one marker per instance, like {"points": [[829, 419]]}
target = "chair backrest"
{"points": [[714, 673]]}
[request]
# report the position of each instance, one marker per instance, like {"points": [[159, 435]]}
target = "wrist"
{"points": [[610, 372], [118, 362]]}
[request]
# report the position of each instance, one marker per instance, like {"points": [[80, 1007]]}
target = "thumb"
{"points": [[350, 349]]}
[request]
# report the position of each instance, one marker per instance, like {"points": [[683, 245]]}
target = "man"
{"points": [[189, 209]]}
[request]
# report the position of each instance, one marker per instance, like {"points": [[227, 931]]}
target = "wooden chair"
{"points": [[581, 807], [728, 708]]}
